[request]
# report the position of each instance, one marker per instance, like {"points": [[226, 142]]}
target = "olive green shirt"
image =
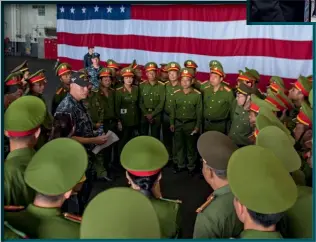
{"points": [[58, 97], [168, 215], [43, 223], [297, 222], [255, 234], [289, 118], [218, 219], [16, 192], [217, 105], [152, 97], [187, 107], [240, 128], [170, 95], [126, 105]]}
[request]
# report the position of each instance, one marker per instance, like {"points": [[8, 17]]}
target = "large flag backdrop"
{"points": [[164, 33]]}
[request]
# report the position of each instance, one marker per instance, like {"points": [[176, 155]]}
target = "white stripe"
{"points": [[189, 29], [286, 68]]}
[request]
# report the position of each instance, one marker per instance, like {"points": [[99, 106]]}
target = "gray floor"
{"points": [[191, 190]]}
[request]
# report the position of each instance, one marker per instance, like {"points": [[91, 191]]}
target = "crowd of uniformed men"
{"points": [[254, 150]]}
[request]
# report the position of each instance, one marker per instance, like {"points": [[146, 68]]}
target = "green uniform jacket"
{"points": [[217, 105], [297, 222], [168, 215], [126, 106], [299, 177], [152, 98], [240, 128], [58, 97], [170, 95], [255, 234], [187, 107], [16, 192], [43, 223], [218, 219], [288, 119], [12, 233]]}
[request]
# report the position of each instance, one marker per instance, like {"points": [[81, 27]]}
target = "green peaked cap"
{"points": [[173, 66], [274, 139], [190, 64], [144, 154], [24, 114], [262, 104], [278, 102], [120, 213], [14, 75], [57, 167], [254, 73], [22, 68], [245, 89], [310, 98], [277, 80], [259, 180], [151, 66]]}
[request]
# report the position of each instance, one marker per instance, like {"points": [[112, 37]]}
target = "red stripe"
{"points": [[144, 173], [233, 47], [21, 133], [202, 76], [193, 12]]}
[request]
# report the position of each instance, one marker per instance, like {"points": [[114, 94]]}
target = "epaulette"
{"points": [[11, 208], [207, 87], [59, 91], [144, 81], [167, 82], [72, 217], [177, 91], [204, 205], [227, 88], [196, 91], [119, 88], [112, 89], [161, 83], [170, 200], [225, 82]]}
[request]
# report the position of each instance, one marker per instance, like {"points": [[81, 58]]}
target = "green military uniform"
{"points": [[186, 116], [310, 98], [63, 89], [114, 66], [115, 214], [145, 156], [54, 170], [12, 233], [152, 100], [260, 182], [304, 86], [217, 217], [21, 119], [217, 105], [24, 71], [48, 121], [190, 64], [240, 129], [126, 106], [168, 136], [276, 84]]}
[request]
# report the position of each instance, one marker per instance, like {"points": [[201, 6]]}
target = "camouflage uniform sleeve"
{"points": [[199, 110], [162, 94]]}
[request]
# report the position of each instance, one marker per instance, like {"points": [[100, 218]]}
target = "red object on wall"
{"points": [[50, 49]]}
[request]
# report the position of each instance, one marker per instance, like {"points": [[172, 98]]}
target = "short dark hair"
{"points": [[266, 220], [145, 183], [24, 139], [49, 198], [220, 173]]}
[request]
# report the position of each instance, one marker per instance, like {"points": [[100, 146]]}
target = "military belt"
{"points": [[185, 121], [215, 121]]}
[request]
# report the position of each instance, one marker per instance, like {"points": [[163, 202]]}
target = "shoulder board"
{"points": [[119, 88], [160, 82], [207, 87], [225, 82], [170, 200], [167, 82], [72, 217], [227, 88], [59, 91], [177, 91], [204, 205], [196, 91], [112, 89], [143, 82], [13, 208]]}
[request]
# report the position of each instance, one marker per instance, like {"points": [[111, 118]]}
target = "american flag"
{"points": [[165, 33]]}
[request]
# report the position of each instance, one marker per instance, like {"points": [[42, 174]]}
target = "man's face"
{"points": [[186, 82], [252, 118], [138, 73], [106, 81], [38, 87], [128, 80], [95, 60], [151, 75], [299, 130], [295, 94], [66, 78], [164, 75], [173, 75], [91, 50], [215, 79], [80, 92]]}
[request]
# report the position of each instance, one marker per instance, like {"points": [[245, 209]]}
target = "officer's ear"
{"points": [[37, 133], [221, 78], [68, 194]]}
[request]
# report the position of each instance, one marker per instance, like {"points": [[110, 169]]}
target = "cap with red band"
{"points": [[24, 116], [173, 66], [257, 103], [274, 100], [186, 72], [13, 79], [128, 72], [112, 64], [151, 66], [190, 64], [305, 115], [62, 69], [303, 85], [105, 72], [163, 67], [37, 77], [144, 156]]}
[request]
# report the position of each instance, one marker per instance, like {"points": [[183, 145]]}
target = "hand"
{"points": [[100, 140], [97, 125], [149, 117], [119, 126], [195, 131], [172, 128]]}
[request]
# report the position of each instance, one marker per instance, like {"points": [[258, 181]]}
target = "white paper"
{"points": [[112, 138]]}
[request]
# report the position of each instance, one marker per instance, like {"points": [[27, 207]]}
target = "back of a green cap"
{"points": [[120, 213]]}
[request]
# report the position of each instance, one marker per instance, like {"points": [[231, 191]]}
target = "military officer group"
{"points": [[254, 149]]}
